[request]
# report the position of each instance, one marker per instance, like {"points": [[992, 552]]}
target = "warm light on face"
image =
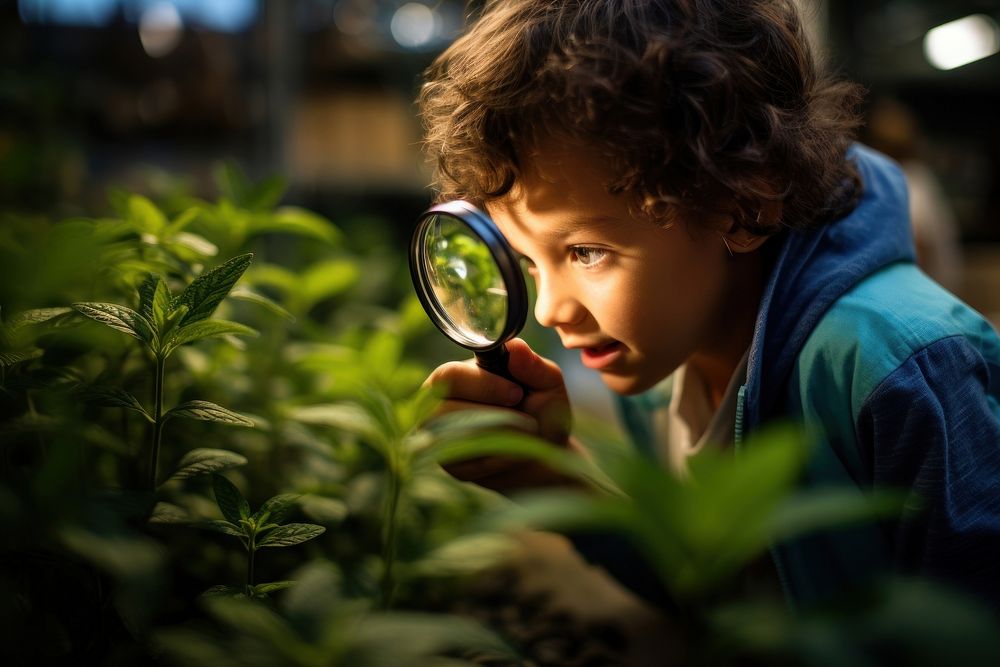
{"points": [[961, 42]]}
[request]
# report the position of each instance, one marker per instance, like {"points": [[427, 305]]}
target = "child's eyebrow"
{"points": [[598, 223]]}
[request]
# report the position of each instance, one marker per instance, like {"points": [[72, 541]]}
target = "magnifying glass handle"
{"points": [[495, 361]]}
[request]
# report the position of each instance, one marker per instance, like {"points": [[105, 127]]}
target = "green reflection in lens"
{"points": [[466, 280]]}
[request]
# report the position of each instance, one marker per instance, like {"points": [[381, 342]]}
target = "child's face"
{"points": [[638, 299]]}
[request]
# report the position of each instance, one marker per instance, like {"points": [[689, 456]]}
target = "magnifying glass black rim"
{"points": [[503, 255]]}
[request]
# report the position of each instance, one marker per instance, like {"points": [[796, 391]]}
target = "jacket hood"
{"points": [[814, 268]]}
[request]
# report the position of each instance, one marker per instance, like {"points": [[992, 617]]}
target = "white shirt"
{"points": [[688, 423]]}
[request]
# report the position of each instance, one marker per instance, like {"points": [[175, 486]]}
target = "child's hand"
{"points": [[542, 399]]}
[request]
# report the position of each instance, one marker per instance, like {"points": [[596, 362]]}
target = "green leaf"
{"points": [[208, 290], [183, 220], [322, 509], [275, 277], [8, 359], [420, 407], [247, 294], [728, 508], [147, 291], [299, 221], [820, 509], [232, 503], [344, 416], [169, 514], [112, 397], [382, 352], [203, 461], [224, 527], [413, 318], [196, 243], [382, 411], [209, 412], [225, 592], [175, 316], [253, 619], [36, 316], [265, 195], [463, 556], [318, 593], [277, 509], [231, 181], [206, 329], [512, 444], [122, 555], [563, 511], [118, 198], [518, 445], [145, 216], [324, 280], [161, 306], [118, 317], [272, 587], [317, 357], [291, 534], [460, 423], [416, 637]]}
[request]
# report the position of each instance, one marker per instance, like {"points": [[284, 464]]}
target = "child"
{"points": [[681, 178]]}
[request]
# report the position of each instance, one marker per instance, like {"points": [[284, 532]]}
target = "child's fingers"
{"points": [[469, 382], [552, 412], [533, 371]]}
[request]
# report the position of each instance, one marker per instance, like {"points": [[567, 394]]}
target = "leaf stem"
{"points": [[157, 422], [389, 531], [34, 414], [251, 551]]}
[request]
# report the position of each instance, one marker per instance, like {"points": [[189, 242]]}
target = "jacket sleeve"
{"points": [[933, 427]]}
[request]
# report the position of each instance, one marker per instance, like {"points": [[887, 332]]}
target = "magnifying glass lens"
{"points": [[469, 289], [468, 280]]}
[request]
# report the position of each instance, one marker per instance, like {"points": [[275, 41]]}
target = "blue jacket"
{"points": [[901, 378]]}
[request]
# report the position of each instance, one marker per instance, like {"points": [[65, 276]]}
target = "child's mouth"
{"points": [[598, 357]]}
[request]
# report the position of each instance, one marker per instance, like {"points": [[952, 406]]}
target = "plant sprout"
{"points": [[263, 528]]}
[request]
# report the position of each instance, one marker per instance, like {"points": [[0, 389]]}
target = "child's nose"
{"points": [[556, 304]]}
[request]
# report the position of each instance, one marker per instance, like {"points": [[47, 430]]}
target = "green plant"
{"points": [[900, 621], [313, 625], [263, 528], [698, 530], [412, 446], [163, 323]]}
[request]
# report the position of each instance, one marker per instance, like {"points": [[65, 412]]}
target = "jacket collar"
{"points": [[814, 268]]}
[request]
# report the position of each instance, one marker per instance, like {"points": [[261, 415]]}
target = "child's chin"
{"points": [[625, 385]]}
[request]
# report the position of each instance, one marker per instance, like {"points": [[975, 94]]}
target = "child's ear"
{"points": [[740, 239]]}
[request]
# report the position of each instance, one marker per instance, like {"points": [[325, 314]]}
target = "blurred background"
{"points": [[150, 94]]}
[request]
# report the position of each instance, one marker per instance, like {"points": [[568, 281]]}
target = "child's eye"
{"points": [[588, 256]]}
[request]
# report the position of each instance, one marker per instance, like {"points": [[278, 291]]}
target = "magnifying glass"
{"points": [[469, 281]]}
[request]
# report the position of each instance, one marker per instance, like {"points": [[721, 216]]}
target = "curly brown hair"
{"points": [[703, 105]]}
